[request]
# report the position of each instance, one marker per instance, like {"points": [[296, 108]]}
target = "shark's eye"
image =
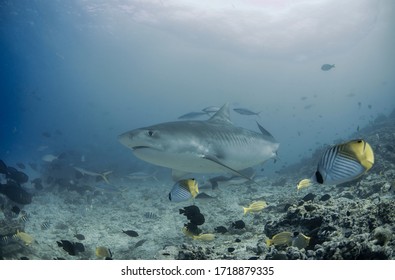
{"points": [[150, 133]]}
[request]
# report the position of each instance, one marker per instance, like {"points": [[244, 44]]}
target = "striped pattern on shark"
{"points": [[212, 146]]}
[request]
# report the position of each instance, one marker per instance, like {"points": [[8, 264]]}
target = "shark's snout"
{"points": [[126, 139]]}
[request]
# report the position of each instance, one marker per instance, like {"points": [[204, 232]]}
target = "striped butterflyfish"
{"points": [[184, 190], [342, 163]]}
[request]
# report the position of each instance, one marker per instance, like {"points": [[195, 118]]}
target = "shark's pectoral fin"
{"points": [[266, 134], [217, 161], [177, 174]]}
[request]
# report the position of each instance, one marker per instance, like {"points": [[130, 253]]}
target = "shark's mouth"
{"points": [[141, 147]]}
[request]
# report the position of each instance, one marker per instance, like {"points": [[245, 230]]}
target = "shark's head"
{"points": [[141, 139], [166, 137], [156, 144], [163, 144]]}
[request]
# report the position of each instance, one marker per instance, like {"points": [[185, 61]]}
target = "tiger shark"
{"points": [[211, 146]]}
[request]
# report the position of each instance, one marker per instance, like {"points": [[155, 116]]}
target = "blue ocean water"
{"points": [[76, 74]]}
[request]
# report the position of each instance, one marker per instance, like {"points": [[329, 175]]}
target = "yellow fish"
{"points": [[342, 163], [301, 241], [26, 238], [255, 207], [287, 238], [282, 238], [303, 184], [204, 237], [187, 232], [103, 252], [201, 237]]}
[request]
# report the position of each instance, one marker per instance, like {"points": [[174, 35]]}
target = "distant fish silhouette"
{"points": [[131, 233], [243, 111], [221, 229], [139, 243], [45, 225], [150, 215], [73, 248], [239, 224], [46, 134], [94, 174], [79, 236], [192, 115], [327, 67], [211, 109], [24, 216], [49, 158]]}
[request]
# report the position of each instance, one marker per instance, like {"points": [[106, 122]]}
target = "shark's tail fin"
{"points": [[104, 176]]}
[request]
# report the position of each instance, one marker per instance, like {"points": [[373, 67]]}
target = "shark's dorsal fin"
{"points": [[222, 115]]}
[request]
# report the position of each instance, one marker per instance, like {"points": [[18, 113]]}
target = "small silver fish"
{"points": [[211, 109], [243, 111], [192, 115]]}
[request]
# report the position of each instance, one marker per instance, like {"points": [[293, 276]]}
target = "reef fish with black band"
{"points": [[184, 190], [342, 163]]}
